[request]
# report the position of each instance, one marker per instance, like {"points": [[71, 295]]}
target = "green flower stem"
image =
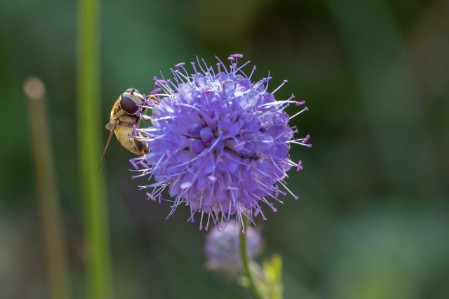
{"points": [[89, 126], [48, 195], [245, 262]]}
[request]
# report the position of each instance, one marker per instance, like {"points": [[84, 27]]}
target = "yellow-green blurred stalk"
{"points": [[48, 196], [90, 143]]}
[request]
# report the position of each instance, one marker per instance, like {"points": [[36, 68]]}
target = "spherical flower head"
{"points": [[219, 142], [223, 247]]}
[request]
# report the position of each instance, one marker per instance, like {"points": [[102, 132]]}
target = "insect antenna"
{"points": [[106, 146]]}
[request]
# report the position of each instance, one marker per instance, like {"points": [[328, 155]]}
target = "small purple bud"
{"points": [[223, 247]]}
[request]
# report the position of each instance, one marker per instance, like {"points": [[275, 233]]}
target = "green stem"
{"points": [[246, 262], [92, 187], [48, 195]]}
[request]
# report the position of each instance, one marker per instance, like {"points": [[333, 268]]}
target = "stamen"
{"points": [[237, 55], [306, 138], [282, 84], [194, 67], [252, 72], [302, 111], [288, 190], [241, 67], [154, 91], [224, 66], [268, 81], [199, 65]]}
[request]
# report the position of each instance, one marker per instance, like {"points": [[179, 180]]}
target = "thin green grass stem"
{"points": [[48, 196], [89, 128]]}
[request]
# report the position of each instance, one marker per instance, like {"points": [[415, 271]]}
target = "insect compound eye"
{"points": [[128, 105]]}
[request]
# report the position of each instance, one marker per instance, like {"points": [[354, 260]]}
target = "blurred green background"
{"points": [[373, 216]]}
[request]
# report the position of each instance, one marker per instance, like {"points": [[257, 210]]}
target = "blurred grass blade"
{"points": [[48, 196], [89, 128]]}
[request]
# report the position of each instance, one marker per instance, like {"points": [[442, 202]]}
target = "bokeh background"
{"points": [[372, 220]]}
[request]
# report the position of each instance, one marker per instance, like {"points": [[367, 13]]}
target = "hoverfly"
{"points": [[126, 115]]}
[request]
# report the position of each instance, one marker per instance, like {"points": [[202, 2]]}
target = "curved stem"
{"points": [[245, 262]]}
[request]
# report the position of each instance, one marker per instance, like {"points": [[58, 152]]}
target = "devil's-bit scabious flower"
{"points": [[218, 141], [223, 247]]}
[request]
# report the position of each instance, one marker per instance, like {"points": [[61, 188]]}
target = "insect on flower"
{"points": [[218, 142], [126, 115]]}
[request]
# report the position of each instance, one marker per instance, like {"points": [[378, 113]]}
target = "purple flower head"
{"points": [[218, 142], [223, 247]]}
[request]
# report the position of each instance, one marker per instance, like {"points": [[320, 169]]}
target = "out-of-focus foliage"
{"points": [[372, 219]]}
